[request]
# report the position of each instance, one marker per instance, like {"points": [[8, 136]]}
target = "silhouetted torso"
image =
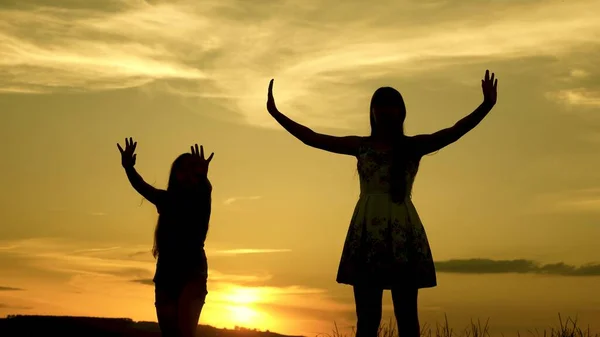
{"points": [[182, 232], [374, 169], [386, 244]]}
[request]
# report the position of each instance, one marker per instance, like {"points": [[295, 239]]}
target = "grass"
{"points": [[567, 328]]}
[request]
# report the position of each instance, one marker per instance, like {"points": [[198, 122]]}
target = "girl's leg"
{"points": [[406, 311], [368, 310], [166, 312], [191, 301]]}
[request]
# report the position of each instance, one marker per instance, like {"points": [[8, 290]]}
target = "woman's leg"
{"points": [[190, 304], [406, 311], [166, 312], [368, 310]]}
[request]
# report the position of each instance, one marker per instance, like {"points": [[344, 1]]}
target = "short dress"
{"points": [[386, 245]]}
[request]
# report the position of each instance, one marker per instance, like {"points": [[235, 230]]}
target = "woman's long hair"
{"points": [[180, 200], [401, 158]]}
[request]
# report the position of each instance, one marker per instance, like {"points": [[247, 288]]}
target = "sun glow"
{"points": [[241, 295], [238, 307], [243, 315]]}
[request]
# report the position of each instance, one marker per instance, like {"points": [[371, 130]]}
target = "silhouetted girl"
{"points": [[386, 245], [184, 213]]}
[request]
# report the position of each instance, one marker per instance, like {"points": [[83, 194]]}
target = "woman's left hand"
{"points": [[489, 86]]}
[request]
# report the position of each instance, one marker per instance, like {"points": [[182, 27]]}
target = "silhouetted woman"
{"points": [[386, 245], [184, 213]]}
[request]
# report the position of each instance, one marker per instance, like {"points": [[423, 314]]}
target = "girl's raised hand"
{"points": [[128, 155], [199, 156]]}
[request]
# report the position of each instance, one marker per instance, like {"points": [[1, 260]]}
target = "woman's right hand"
{"points": [[202, 163], [128, 155], [271, 107]]}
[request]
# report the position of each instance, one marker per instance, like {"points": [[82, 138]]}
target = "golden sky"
{"points": [[78, 76]]}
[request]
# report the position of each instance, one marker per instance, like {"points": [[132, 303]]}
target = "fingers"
{"points": [[210, 157], [201, 151], [120, 148], [130, 143], [489, 83]]}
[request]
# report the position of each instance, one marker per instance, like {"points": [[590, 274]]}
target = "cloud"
{"points": [[95, 250], [17, 307], [147, 281], [579, 73], [76, 211], [520, 266], [82, 48], [227, 50], [76, 258], [248, 251], [2, 288], [236, 199], [98, 214], [580, 97], [568, 201]]}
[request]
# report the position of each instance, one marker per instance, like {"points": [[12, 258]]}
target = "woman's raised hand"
{"points": [[489, 86], [271, 107]]}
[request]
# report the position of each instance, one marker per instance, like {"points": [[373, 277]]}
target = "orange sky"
{"points": [[75, 238]]}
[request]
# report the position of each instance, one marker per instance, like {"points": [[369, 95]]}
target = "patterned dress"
{"points": [[386, 245]]}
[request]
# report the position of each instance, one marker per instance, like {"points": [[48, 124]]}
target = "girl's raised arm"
{"points": [[128, 158]]}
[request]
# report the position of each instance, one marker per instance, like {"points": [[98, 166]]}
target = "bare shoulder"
{"points": [[356, 142]]}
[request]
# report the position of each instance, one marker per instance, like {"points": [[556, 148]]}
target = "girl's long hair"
{"points": [[187, 208], [401, 158]]}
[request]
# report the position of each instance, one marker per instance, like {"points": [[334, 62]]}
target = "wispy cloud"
{"points": [[580, 97], [228, 50], [9, 306], [71, 258], [76, 211], [2, 288], [249, 251], [578, 200], [95, 250], [98, 214], [521, 266], [124, 263], [579, 73], [230, 201], [147, 281]]}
